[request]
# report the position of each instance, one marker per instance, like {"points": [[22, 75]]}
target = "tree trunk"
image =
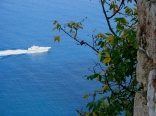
{"points": [[144, 103]]}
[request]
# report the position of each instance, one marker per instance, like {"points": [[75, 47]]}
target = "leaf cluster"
{"points": [[117, 51]]}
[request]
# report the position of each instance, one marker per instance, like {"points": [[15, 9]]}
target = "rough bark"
{"points": [[140, 105], [144, 103]]}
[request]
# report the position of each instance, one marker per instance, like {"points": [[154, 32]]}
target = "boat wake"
{"points": [[30, 50]]}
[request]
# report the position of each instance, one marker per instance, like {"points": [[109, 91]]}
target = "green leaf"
{"points": [[85, 96]]}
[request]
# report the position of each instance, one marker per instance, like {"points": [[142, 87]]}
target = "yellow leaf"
{"points": [[57, 38], [116, 6], [87, 114], [101, 35], [70, 24], [135, 10], [100, 53], [79, 26], [94, 114], [107, 58], [98, 78], [123, 29], [75, 36], [103, 102], [104, 44], [55, 22], [133, 27], [54, 28], [85, 96], [124, 35], [104, 88], [103, 72], [114, 11], [110, 38]]}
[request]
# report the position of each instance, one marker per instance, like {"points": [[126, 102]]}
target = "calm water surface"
{"points": [[45, 84]]}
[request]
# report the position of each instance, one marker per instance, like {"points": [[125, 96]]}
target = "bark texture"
{"points": [[144, 103], [140, 105]]}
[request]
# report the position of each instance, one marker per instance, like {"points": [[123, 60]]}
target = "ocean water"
{"points": [[50, 83]]}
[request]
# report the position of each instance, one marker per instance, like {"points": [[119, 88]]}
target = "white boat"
{"points": [[38, 49]]}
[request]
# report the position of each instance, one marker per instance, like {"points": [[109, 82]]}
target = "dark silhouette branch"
{"points": [[80, 42], [105, 14], [120, 7]]}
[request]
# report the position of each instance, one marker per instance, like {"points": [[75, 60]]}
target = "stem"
{"points": [[80, 42], [122, 3], [107, 19]]}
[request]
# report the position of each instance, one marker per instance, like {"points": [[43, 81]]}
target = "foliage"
{"points": [[117, 51]]}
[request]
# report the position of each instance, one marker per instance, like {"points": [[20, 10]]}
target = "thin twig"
{"points": [[80, 42], [120, 7], [109, 25]]}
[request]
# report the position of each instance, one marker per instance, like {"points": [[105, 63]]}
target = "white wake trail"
{"points": [[13, 52], [31, 50]]}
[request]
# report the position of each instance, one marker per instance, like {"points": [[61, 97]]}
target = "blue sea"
{"points": [[50, 83]]}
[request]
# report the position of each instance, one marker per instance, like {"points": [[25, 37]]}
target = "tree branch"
{"points": [[80, 42], [122, 3], [109, 25]]}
